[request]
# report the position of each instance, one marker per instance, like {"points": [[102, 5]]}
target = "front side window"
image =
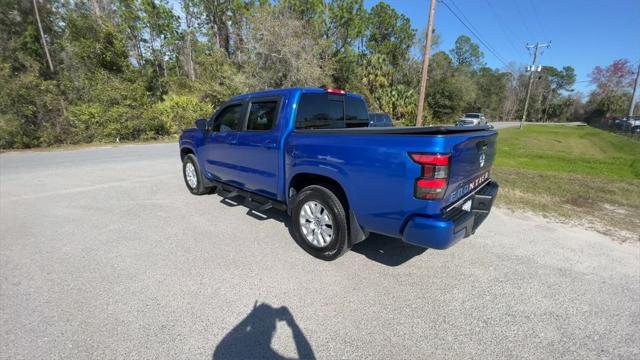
{"points": [[228, 119], [262, 115]]}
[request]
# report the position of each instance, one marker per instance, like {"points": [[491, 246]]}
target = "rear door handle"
{"points": [[269, 144]]}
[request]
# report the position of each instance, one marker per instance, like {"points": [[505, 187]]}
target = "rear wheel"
{"points": [[319, 223], [193, 176]]}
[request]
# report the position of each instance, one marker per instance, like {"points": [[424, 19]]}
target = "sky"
{"points": [[583, 33]]}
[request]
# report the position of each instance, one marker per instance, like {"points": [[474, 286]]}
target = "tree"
{"points": [[491, 91], [347, 23], [466, 54], [272, 62], [613, 87], [390, 34], [616, 77], [131, 23], [309, 12], [142, 69], [189, 11], [515, 84], [556, 81]]}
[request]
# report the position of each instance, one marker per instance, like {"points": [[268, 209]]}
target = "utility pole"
{"points": [[633, 96], [425, 63], [532, 69], [44, 41]]}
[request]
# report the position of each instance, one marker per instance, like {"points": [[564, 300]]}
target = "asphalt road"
{"points": [[104, 254], [504, 124], [501, 124]]}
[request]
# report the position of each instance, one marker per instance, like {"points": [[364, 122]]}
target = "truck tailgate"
{"points": [[471, 162]]}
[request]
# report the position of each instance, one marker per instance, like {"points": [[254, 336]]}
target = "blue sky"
{"points": [[584, 33]]}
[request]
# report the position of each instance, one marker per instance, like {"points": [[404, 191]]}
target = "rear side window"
{"points": [[228, 119], [320, 111], [262, 115], [357, 114], [327, 111]]}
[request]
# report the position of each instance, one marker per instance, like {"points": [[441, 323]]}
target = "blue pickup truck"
{"points": [[310, 152]]}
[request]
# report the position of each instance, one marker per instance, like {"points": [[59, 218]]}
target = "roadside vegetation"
{"points": [[131, 70], [576, 173]]}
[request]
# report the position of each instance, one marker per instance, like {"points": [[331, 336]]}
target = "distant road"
{"points": [[105, 254], [498, 125], [504, 124]]}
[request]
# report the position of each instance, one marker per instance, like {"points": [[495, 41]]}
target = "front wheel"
{"points": [[319, 223], [193, 176]]}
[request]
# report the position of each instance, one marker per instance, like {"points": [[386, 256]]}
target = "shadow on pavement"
{"points": [[251, 338], [383, 249], [387, 250]]}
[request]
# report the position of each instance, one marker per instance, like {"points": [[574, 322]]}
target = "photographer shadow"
{"points": [[252, 337]]}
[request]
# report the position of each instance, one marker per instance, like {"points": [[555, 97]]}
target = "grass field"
{"points": [[576, 173]]}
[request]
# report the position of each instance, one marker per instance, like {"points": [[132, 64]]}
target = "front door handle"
{"points": [[232, 139]]}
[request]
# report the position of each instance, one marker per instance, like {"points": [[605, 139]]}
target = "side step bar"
{"points": [[253, 201]]}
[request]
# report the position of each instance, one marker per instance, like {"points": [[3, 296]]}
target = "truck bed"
{"points": [[408, 130]]}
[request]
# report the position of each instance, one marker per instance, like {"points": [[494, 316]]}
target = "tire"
{"points": [[326, 206], [195, 185]]}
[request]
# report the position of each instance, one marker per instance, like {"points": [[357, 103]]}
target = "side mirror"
{"points": [[201, 124]]}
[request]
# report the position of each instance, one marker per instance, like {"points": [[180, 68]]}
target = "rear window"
{"points": [[262, 115], [357, 114], [327, 111]]}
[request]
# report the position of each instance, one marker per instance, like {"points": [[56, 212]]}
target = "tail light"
{"points": [[434, 178]]}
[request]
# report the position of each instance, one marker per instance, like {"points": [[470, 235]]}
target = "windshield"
{"points": [[472, 115]]}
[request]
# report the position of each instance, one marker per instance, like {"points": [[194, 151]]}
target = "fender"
{"points": [[356, 232]]}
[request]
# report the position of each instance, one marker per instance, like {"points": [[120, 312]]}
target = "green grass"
{"points": [[579, 150], [572, 172]]}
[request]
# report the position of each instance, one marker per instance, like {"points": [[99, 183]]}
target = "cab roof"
{"points": [[287, 91]]}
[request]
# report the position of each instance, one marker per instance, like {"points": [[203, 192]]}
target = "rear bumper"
{"points": [[455, 224]]}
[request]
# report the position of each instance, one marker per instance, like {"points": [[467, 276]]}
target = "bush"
{"points": [[96, 122], [11, 135], [31, 110], [177, 113]]}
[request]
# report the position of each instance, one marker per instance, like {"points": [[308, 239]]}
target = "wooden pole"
{"points": [[425, 64], [44, 41]]}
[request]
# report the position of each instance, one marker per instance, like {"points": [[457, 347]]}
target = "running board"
{"points": [[253, 201], [230, 194]]}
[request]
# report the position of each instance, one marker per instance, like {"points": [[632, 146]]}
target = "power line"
{"points": [[508, 35], [470, 23], [474, 33], [523, 22], [536, 14]]}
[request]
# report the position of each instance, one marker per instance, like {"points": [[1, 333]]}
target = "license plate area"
{"points": [[482, 203]]}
